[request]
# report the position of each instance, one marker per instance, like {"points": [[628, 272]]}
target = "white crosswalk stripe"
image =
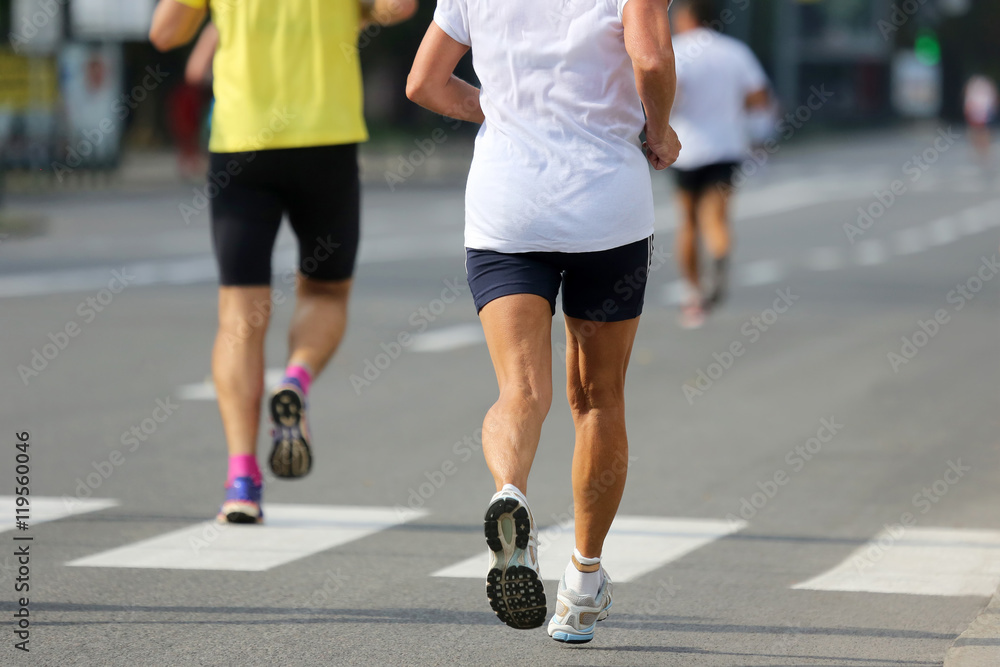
{"points": [[870, 252], [918, 561], [44, 509], [205, 390], [290, 532], [450, 338], [636, 545]]}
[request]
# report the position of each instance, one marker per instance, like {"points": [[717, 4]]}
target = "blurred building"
{"points": [[76, 83], [882, 59]]}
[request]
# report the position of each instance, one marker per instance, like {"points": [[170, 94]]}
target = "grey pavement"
{"points": [[708, 435]]}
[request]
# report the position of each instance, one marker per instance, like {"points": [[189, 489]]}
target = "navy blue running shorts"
{"points": [[603, 286]]}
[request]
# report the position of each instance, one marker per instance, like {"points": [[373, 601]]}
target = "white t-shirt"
{"points": [[980, 100], [558, 164], [715, 73]]}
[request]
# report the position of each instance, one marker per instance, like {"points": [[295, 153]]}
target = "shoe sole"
{"points": [[515, 592], [570, 638], [236, 515], [290, 454]]}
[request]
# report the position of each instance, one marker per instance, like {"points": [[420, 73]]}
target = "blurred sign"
{"points": [[35, 27], [955, 7], [28, 94], [92, 87], [122, 20], [26, 83], [916, 86]]}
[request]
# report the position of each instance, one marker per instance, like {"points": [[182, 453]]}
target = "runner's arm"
{"points": [[386, 12], [432, 83], [175, 24], [759, 99], [647, 40], [199, 65]]}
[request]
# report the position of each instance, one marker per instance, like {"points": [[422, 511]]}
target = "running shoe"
{"points": [[719, 282], [242, 504], [513, 584], [577, 615], [692, 313], [290, 454]]}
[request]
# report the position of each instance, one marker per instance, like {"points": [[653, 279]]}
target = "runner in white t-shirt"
{"points": [[981, 102], [558, 195], [718, 81]]}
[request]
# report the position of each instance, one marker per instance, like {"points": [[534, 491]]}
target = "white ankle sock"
{"points": [[584, 583], [516, 492]]}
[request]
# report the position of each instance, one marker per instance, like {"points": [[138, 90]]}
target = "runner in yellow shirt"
{"points": [[285, 129]]}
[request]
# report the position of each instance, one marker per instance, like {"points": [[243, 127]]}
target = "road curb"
{"points": [[979, 645]]}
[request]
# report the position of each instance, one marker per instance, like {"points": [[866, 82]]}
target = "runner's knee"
{"points": [[595, 393]]}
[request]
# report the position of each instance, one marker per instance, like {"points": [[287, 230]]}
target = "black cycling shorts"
{"points": [[698, 180], [316, 186], [603, 286]]}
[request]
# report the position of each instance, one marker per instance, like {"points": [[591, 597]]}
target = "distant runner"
{"points": [[980, 110], [558, 195], [718, 81], [285, 130]]}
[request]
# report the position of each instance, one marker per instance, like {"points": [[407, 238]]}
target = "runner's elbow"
{"points": [[161, 39], [416, 88], [405, 9], [654, 63]]}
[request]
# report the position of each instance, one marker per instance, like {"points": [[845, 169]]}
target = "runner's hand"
{"points": [[661, 151]]}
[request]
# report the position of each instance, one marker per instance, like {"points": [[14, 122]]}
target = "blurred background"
{"points": [[67, 64]]}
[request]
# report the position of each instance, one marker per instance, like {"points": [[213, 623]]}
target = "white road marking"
{"points": [[202, 269], [289, 532], [824, 259], [972, 221], [870, 252], [205, 390], [635, 546], [942, 232], [919, 561], [909, 241], [449, 338], [44, 508], [673, 293], [763, 272]]}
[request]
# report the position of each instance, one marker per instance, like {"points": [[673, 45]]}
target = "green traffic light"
{"points": [[928, 48]]}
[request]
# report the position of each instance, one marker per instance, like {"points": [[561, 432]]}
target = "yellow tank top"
{"points": [[286, 74]]}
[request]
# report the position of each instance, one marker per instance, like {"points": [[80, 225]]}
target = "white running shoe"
{"points": [[577, 615], [513, 584]]}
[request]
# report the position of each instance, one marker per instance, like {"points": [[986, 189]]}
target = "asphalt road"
{"points": [[826, 431]]}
